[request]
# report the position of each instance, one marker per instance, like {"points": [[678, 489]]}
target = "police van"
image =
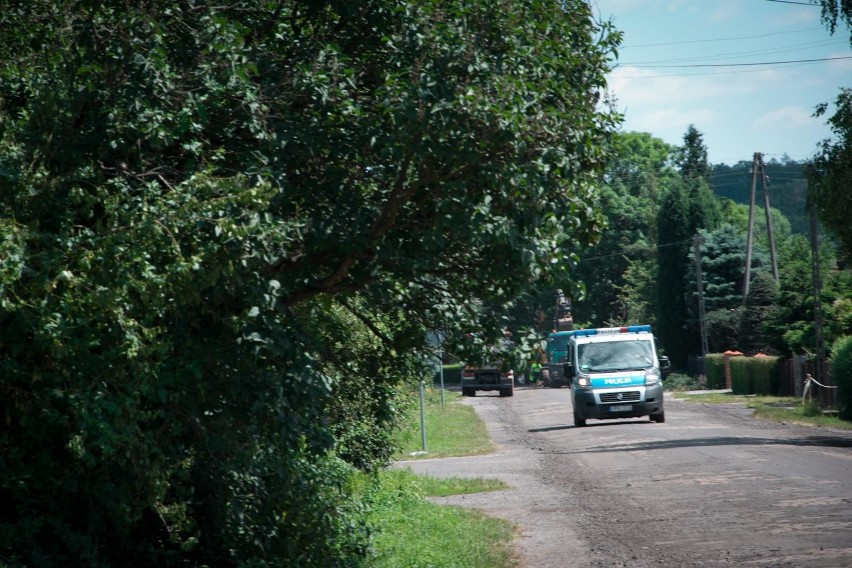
{"points": [[615, 373]]}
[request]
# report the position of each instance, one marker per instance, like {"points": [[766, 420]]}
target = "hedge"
{"points": [[714, 370], [754, 375], [841, 368], [452, 375]]}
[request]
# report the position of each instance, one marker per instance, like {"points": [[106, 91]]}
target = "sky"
{"points": [[685, 62]]}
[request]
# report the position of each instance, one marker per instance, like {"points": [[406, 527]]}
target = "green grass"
{"points": [[413, 532], [775, 408], [455, 430]]}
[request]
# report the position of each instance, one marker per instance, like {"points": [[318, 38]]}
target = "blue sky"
{"points": [[740, 109]]}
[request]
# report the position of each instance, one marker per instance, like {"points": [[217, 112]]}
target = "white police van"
{"points": [[615, 373]]}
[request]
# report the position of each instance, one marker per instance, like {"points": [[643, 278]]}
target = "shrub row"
{"points": [[714, 370], [452, 375], [749, 375], [841, 367], [754, 375]]}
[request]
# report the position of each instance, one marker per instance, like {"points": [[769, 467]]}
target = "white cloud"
{"points": [[841, 68], [726, 11], [795, 16], [669, 123], [786, 117], [646, 86]]}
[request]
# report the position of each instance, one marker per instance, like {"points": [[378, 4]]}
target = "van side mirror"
{"points": [[665, 365]]}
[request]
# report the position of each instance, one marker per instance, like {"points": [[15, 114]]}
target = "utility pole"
{"points": [[747, 277], [817, 289], [768, 220], [699, 280], [757, 166]]}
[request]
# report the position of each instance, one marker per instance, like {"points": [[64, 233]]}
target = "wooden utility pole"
{"points": [[700, 282], [768, 221], [817, 290], [747, 277], [757, 165]]}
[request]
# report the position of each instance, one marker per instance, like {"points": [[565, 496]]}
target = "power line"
{"points": [[700, 74], [716, 39], [639, 250], [694, 65], [791, 2], [741, 54]]}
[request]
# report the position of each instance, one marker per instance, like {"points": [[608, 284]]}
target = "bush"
{"points": [[714, 370], [754, 375], [764, 374], [841, 368], [680, 382], [452, 375], [740, 377]]}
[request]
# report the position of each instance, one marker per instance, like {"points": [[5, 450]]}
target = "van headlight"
{"points": [[652, 377], [583, 381]]}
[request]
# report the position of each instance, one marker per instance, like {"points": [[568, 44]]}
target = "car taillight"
{"points": [[467, 373]]}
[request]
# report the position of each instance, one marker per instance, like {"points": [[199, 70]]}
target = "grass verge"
{"points": [[454, 430], [774, 408], [410, 530]]}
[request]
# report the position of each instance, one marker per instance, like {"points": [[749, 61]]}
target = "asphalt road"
{"points": [[712, 486]]}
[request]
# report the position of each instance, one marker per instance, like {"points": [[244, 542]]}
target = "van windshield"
{"points": [[615, 356]]}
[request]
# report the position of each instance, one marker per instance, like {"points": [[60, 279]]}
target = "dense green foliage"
{"points": [[226, 228], [614, 273], [691, 158], [830, 173], [841, 368], [758, 313], [688, 207], [683, 212]]}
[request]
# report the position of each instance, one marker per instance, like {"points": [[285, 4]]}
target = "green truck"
{"points": [[552, 375]]}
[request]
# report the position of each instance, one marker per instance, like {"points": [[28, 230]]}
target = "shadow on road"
{"points": [[552, 428], [818, 441]]}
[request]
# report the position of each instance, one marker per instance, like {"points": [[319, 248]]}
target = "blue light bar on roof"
{"points": [[609, 330]]}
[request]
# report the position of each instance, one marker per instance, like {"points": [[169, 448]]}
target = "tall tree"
{"points": [[692, 156], [830, 173], [640, 170], [723, 253], [758, 314], [214, 215], [674, 238], [689, 207]]}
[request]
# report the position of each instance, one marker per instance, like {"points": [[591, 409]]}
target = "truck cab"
{"points": [[487, 378], [492, 374], [615, 373], [555, 357]]}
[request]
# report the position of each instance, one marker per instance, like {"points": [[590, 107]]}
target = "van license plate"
{"points": [[621, 408]]}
